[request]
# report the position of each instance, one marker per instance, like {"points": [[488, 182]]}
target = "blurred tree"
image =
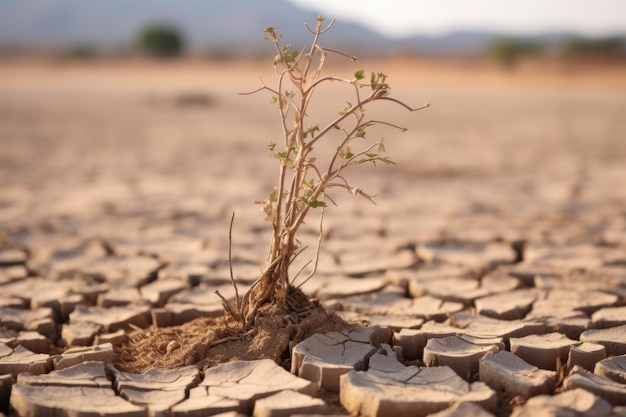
{"points": [[508, 51], [161, 41], [79, 52], [504, 52], [603, 47]]}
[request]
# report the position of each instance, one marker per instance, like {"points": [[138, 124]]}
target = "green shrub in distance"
{"points": [[161, 41]]}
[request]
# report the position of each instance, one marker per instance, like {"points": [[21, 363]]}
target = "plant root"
{"points": [[207, 342]]}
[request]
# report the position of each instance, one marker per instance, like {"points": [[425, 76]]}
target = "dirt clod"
{"points": [[207, 342]]}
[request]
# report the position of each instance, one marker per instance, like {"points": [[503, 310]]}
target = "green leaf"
{"points": [[381, 147], [349, 155], [273, 35], [273, 196], [346, 109], [359, 75], [316, 204], [372, 155]]}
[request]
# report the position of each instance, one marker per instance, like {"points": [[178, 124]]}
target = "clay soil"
{"points": [[101, 132], [207, 342]]}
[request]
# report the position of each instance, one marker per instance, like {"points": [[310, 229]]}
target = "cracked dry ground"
{"points": [[489, 279]]}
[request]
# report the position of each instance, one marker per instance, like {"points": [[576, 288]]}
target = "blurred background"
{"points": [[224, 29], [131, 108]]}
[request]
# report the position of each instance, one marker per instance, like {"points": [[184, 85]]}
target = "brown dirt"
{"points": [[207, 342]]}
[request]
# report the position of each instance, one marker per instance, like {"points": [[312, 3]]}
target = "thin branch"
{"points": [[263, 87], [293, 281], [381, 122], [403, 104], [230, 260], [316, 258], [227, 306], [326, 79], [318, 30], [350, 57]]}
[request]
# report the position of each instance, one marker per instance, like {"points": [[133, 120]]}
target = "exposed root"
{"points": [[206, 342]]}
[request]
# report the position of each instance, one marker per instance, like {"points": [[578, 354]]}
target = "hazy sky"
{"points": [[432, 17]]}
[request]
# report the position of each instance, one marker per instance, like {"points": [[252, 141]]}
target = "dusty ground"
{"points": [[497, 148], [89, 139], [95, 149]]}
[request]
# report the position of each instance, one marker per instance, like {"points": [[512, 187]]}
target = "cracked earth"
{"points": [[488, 280]]}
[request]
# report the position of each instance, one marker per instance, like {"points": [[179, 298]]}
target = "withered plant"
{"points": [[304, 180]]}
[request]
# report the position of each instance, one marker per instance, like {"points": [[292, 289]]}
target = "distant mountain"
{"points": [[222, 26], [219, 24]]}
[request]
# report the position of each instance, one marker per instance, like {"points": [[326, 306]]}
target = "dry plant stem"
{"points": [[291, 201], [236, 313]]}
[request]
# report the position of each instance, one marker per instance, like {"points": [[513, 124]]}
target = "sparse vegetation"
{"points": [[574, 47], [305, 178], [507, 52], [79, 52], [161, 41]]}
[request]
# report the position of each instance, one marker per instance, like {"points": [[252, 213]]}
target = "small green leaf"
{"points": [[273, 196], [349, 155], [316, 204], [381, 147], [372, 155], [271, 146], [359, 75], [346, 109]]}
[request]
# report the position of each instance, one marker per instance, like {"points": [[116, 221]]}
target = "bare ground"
{"points": [[536, 154]]}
